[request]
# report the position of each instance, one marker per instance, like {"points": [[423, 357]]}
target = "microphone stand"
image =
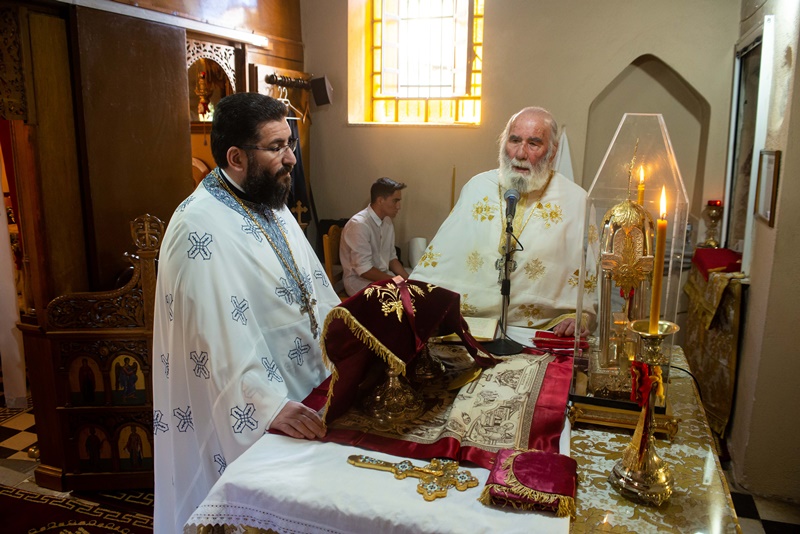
{"points": [[504, 345]]}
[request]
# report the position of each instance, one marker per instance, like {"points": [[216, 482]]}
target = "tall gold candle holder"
{"points": [[641, 475]]}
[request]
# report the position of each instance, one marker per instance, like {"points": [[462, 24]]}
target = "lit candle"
{"points": [[640, 200], [453, 189], [658, 264]]}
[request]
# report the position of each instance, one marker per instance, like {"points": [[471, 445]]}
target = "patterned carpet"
{"points": [[25, 511], [32, 512]]}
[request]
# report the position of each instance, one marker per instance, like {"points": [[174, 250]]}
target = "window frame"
{"points": [[365, 104]]}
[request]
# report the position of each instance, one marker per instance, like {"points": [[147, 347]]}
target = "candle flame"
{"points": [[641, 175], [663, 202]]}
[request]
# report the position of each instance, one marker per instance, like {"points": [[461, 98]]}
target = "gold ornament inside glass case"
{"points": [[634, 245]]}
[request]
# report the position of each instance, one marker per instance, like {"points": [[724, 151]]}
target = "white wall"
{"points": [[554, 54], [763, 438]]}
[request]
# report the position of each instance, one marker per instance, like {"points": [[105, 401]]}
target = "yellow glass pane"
{"points": [[477, 62], [376, 84], [389, 59], [391, 7], [478, 30], [389, 85], [469, 111], [391, 31], [411, 111], [441, 111], [383, 111], [478, 8], [377, 28], [376, 60], [477, 79]]}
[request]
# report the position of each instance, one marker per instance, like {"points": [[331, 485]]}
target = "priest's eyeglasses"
{"points": [[275, 150]]}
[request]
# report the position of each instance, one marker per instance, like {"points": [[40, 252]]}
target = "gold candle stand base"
{"points": [[641, 475], [393, 401], [425, 367]]}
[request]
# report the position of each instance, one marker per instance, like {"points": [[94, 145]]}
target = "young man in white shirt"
{"points": [[366, 249]]}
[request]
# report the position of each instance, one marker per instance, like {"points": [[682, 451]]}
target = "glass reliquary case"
{"points": [[634, 238]]}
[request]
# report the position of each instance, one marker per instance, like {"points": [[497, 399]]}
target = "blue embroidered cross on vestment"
{"points": [[169, 300], [244, 418], [158, 423], [220, 461], [272, 370], [298, 351], [200, 246], [184, 418], [200, 361], [239, 307]]}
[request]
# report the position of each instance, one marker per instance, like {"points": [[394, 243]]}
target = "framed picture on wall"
{"points": [[769, 162]]}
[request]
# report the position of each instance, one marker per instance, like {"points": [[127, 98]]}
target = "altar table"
{"points": [[286, 485], [701, 502]]}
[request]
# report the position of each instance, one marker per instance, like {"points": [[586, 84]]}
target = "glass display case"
{"points": [[634, 239]]}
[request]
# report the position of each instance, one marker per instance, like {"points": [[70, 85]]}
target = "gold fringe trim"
{"points": [[363, 335], [565, 508], [566, 505]]}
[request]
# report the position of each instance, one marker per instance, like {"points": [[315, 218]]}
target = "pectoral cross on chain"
{"points": [[307, 306]]}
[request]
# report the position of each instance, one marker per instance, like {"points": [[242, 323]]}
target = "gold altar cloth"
{"points": [[712, 340], [701, 501]]}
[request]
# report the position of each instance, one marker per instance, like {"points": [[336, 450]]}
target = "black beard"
{"points": [[263, 187]]}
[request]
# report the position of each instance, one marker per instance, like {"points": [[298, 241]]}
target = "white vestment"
{"points": [[230, 344], [464, 254]]}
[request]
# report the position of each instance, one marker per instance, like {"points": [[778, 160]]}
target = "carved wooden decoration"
{"points": [[13, 103], [221, 54], [123, 307], [93, 381]]}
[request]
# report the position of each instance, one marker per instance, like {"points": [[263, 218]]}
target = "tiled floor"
{"points": [[758, 515], [18, 433], [17, 436]]}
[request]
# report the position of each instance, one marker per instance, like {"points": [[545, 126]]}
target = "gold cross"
{"points": [[435, 478]]}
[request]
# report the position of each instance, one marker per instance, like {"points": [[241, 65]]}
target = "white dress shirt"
{"points": [[367, 242]]}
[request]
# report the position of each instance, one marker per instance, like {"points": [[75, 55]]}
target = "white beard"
{"points": [[524, 183]]}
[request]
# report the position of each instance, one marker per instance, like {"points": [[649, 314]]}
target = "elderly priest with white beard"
{"points": [[467, 254]]}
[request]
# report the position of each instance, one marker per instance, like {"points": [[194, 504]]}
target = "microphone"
{"points": [[511, 197]]}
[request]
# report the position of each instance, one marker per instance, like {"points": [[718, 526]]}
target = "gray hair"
{"points": [[539, 111]]}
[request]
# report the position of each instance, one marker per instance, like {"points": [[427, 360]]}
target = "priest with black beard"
{"points": [[240, 301], [467, 254]]}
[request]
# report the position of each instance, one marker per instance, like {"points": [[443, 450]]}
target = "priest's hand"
{"points": [[298, 421], [566, 328]]}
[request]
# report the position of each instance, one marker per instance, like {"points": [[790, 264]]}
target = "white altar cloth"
{"points": [[299, 486], [294, 486]]}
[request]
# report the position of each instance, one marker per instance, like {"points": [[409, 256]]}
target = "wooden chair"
{"points": [[330, 250]]}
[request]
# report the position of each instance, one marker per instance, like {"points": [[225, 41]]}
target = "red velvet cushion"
{"points": [[721, 260]]}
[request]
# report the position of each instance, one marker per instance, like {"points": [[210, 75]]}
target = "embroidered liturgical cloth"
{"points": [[518, 403]]}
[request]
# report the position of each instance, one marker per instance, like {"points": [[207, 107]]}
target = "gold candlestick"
{"points": [[641, 475], [713, 214]]}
